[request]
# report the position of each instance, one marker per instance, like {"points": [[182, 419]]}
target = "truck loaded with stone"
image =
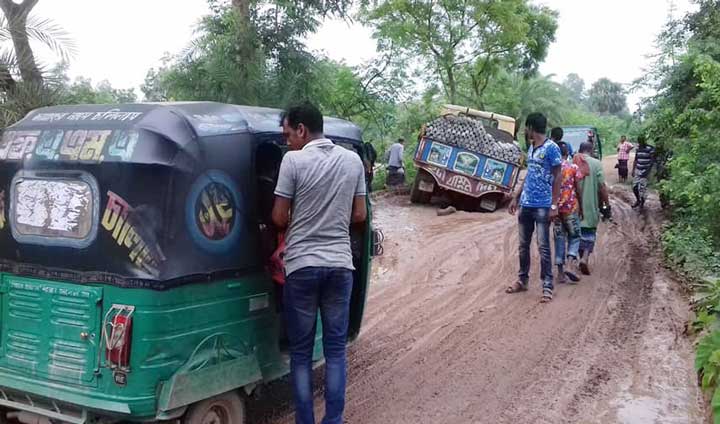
{"points": [[469, 158]]}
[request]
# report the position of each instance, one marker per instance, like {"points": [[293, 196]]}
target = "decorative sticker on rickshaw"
{"points": [[115, 115], [122, 144], [49, 144], [212, 212], [128, 231], [74, 145], [16, 144]]}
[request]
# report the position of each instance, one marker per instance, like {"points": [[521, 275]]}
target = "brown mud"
{"points": [[442, 342]]}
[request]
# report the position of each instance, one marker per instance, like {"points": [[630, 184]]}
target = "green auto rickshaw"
{"points": [[134, 243]]}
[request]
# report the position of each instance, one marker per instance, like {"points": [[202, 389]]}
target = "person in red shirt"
{"points": [[567, 224]]}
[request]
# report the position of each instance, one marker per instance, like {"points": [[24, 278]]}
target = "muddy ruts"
{"points": [[470, 134]]}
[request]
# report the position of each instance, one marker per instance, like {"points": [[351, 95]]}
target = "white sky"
{"points": [[120, 40]]}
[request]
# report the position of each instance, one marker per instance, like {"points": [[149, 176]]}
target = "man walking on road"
{"points": [[396, 168], [594, 196], [644, 161], [320, 192], [567, 225], [624, 149], [538, 201]]}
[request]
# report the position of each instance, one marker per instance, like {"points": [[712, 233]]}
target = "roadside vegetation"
{"points": [[482, 54], [684, 121]]}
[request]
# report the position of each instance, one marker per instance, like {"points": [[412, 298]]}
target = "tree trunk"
{"points": [[242, 7], [452, 85], [16, 15]]}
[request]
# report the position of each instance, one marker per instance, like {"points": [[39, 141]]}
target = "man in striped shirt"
{"points": [[644, 161]]}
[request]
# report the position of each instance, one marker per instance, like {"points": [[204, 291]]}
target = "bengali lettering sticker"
{"points": [[212, 212], [129, 231]]}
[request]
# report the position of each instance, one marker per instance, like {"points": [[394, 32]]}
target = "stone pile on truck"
{"points": [[469, 157]]}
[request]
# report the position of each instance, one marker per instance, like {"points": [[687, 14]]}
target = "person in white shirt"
{"points": [[396, 169]]}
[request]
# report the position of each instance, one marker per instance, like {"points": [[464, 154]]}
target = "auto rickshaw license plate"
{"points": [[426, 186]]}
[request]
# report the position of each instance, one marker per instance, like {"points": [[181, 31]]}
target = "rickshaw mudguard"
{"points": [[212, 369]]}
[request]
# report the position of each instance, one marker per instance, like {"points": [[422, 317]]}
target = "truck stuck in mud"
{"points": [[469, 157]]}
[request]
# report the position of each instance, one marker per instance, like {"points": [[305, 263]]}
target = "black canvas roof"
{"points": [[169, 119]]}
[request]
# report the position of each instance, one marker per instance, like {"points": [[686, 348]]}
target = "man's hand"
{"points": [[513, 205], [553, 214]]}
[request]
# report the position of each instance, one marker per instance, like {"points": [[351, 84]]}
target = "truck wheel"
{"points": [[417, 195], [227, 408]]}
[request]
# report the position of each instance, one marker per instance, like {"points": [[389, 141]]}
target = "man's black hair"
{"points": [[586, 147], [537, 122], [401, 140], [305, 113], [564, 150], [557, 133]]}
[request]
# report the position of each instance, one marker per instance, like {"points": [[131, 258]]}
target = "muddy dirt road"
{"points": [[443, 343]]}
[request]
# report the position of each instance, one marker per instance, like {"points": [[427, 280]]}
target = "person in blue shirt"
{"points": [[538, 202]]}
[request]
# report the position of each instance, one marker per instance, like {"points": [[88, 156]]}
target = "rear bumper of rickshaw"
{"points": [[68, 403]]}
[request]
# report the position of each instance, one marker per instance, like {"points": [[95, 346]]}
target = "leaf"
{"points": [[715, 404], [707, 346]]}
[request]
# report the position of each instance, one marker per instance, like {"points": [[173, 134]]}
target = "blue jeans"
{"points": [[529, 219], [567, 233], [306, 291]]}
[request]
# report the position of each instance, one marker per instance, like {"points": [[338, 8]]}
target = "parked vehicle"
{"points": [[575, 135], [468, 156], [133, 246]]}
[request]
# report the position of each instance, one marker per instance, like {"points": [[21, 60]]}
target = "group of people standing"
{"points": [[645, 159], [569, 194]]}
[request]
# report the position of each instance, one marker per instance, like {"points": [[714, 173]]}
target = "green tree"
{"points": [[248, 52], [459, 39], [575, 87], [24, 83], [608, 97], [82, 91], [517, 96]]}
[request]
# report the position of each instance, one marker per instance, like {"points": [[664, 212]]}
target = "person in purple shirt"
{"points": [[538, 200]]}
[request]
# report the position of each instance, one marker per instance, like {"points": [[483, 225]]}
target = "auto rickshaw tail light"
{"points": [[117, 331]]}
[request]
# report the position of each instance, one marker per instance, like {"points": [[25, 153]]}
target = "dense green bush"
{"points": [[684, 121]]}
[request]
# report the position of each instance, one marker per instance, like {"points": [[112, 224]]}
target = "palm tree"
{"points": [[517, 95], [24, 84]]}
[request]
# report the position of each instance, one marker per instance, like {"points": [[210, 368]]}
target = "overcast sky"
{"points": [[120, 40]]}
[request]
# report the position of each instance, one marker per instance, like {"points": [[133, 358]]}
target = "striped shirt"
{"points": [[644, 161]]}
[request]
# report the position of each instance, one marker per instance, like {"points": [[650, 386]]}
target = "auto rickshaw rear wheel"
{"points": [[227, 408]]}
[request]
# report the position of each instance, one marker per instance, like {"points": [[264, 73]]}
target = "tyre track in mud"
{"points": [[442, 342]]}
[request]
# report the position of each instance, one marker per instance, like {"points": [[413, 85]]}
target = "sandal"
{"points": [[547, 295], [572, 277], [584, 268], [517, 287]]}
